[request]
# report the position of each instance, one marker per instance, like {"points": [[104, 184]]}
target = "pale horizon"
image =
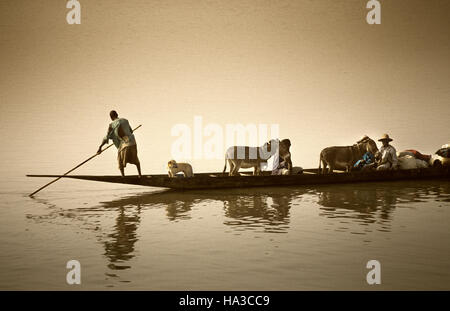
{"points": [[316, 68]]}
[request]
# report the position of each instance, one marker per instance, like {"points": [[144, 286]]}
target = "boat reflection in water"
{"points": [[255, 209], [268, 210], [375, 202], [247, 209]]}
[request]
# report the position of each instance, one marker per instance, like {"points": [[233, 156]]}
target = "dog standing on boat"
{"points": [[248, 157], [173, 168]]}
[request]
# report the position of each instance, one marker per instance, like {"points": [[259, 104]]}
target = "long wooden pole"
{"points": [[90, 158]]}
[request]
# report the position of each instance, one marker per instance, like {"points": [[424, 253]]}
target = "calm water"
{"points": [[319, 237]]}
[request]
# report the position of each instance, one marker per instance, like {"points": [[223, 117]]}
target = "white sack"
{"points": [[407, 162]]}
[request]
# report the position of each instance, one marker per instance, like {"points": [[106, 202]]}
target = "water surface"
{"points": [[289, 238]]}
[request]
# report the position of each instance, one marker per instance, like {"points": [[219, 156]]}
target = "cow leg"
{"points": [[324, 170], [331, 169], [257, 170], [231, 163], [236, 168]]}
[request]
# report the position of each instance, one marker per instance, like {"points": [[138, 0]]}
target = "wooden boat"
{"points": [[308, 177]]}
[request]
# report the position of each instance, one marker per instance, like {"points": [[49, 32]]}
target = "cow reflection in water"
{"points": [[269, 213], [371, 202], [364, 204]]}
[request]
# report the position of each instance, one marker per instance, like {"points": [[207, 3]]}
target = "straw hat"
{"points": [[385, 137]]}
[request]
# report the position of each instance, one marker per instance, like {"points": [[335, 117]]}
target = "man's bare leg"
{"points": [[122, 172]]}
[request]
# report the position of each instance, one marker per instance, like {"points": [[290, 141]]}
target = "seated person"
{"points": [[367, 161], [282, 169], [388, 155], [284, 156]]}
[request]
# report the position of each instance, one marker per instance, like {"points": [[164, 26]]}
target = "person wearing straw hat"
{"points": [[388, 154]]}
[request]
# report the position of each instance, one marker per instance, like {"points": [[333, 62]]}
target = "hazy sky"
{"points": [[315, 67]]}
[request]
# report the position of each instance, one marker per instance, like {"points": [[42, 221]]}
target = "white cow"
{"points": [[248, 157]]}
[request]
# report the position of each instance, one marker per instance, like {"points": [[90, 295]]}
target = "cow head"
{"points": [[368, 144], [285, 145], [269, 148]]}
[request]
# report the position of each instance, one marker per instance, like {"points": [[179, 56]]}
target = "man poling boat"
{"points": [[121, 133], [71, 170]]}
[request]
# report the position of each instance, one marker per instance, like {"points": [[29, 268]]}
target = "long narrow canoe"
{"points": [[309, 177]]}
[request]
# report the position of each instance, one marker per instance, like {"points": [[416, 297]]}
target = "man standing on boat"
{"points": [[121, 133], [388, 155]]}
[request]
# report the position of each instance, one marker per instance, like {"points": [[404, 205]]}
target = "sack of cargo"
{"points": [[407, 162], [414, 153], [421, 163], [404, 153]]}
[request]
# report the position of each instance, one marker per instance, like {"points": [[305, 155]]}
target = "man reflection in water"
{"points": [[121, 246]]}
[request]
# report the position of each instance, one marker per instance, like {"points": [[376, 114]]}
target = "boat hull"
{"points": [[218, 181]]}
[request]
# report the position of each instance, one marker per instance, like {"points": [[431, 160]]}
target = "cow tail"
{"points": [[320, 163], [225, 167]]}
